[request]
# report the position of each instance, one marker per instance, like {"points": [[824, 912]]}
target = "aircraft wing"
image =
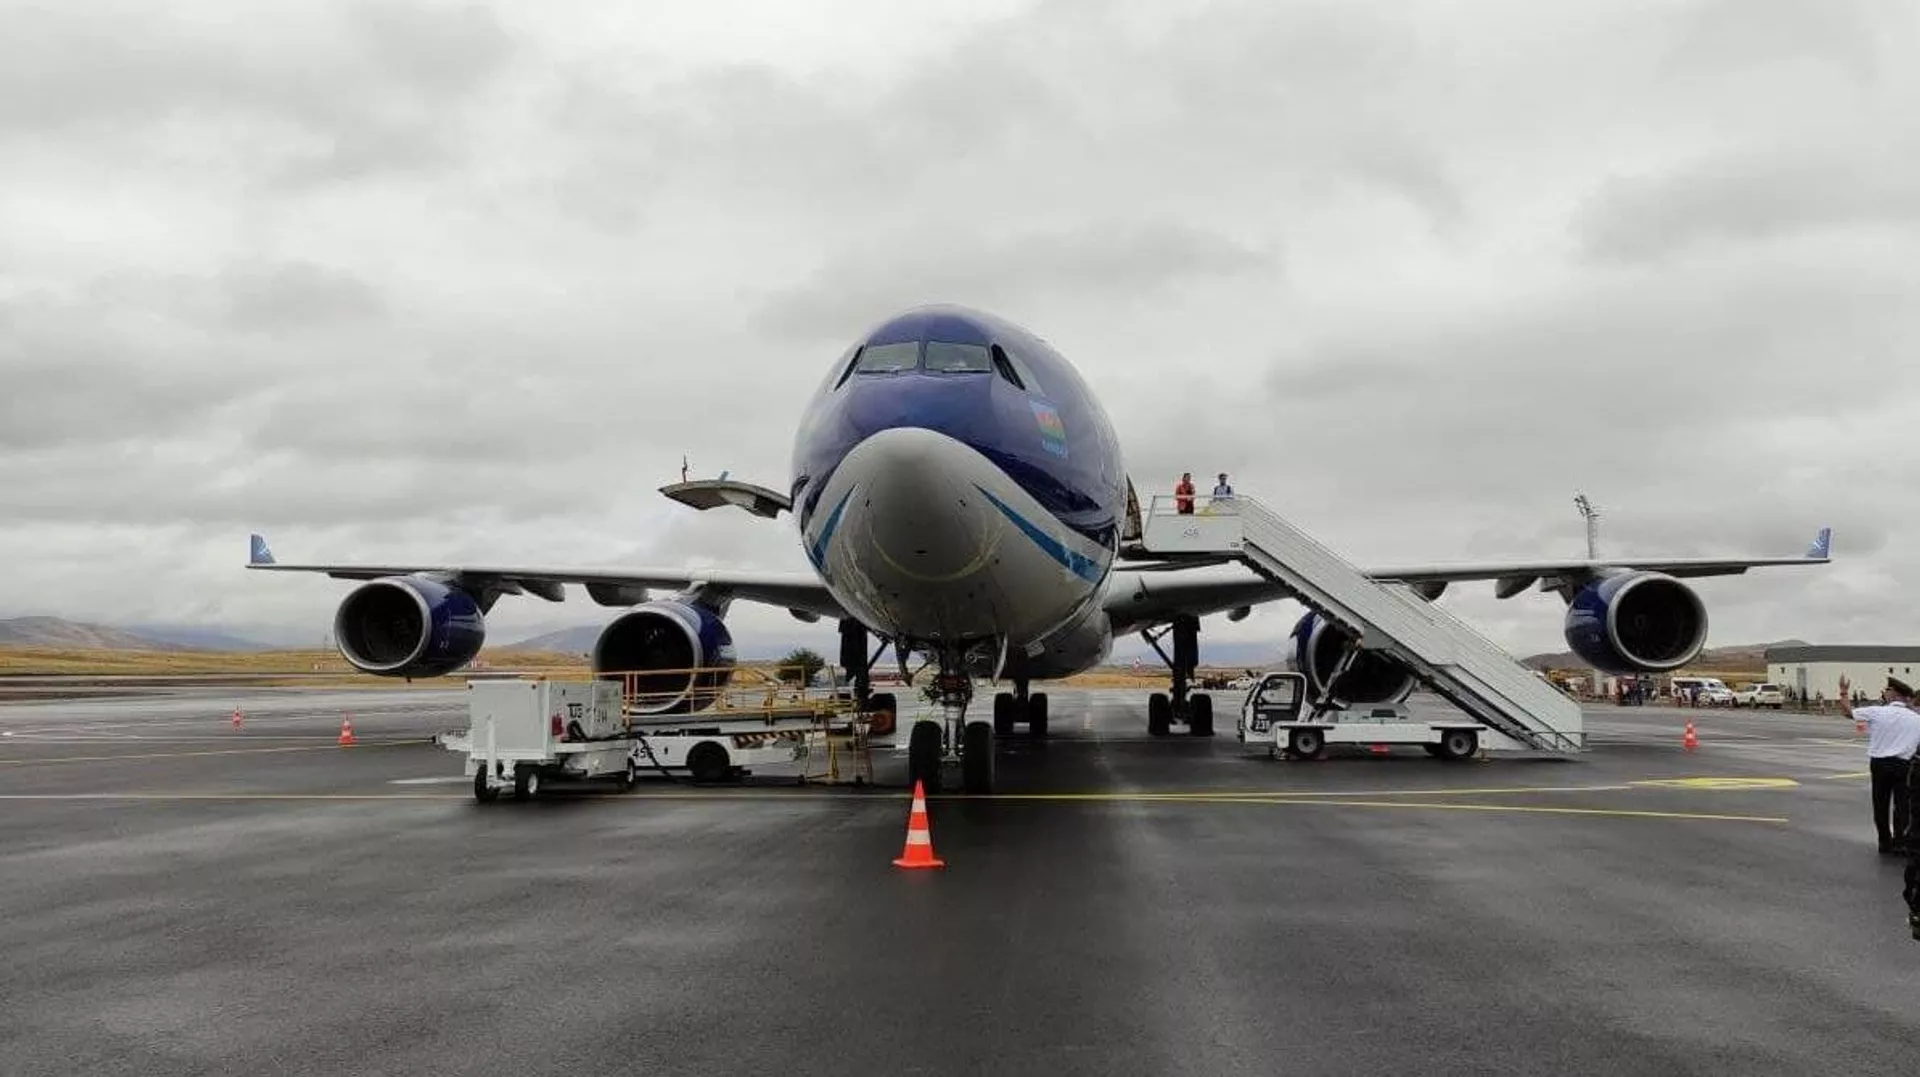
{"points": [[1143, 598], [799, 593]]}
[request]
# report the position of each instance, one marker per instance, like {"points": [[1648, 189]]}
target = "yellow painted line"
{"points": [[1531, 809], [231, 796], [189, 755], [1720, 783], [1285, 793], [1854, 774]]}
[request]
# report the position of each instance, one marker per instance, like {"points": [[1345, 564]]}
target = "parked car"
{"points": [[1760, 695]]}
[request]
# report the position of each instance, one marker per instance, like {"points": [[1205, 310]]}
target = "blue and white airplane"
{"points": [[961, 494]]}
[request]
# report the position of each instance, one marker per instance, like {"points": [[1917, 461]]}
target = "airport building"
{"points": [[1816, 670]]}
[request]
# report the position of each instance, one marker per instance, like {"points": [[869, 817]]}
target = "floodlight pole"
{"points": [[1592, 516]]}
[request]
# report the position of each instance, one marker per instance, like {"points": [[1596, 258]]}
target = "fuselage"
{"points": [[956, 484]]}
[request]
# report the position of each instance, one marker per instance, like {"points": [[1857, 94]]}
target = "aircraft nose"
{"points": [[919, 505]]}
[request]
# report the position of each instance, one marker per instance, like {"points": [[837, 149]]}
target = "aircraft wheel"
{"points": [[976, 758], [1159, 714], [483, 790], [1200, 716], [1457, 744], [885, 714], [708, 761], [1037, 715], [1307, 743], [1003, 708], [923, 755]]}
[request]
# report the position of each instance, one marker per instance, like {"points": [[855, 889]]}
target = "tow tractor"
{"points": [[525, 733], [1272, 716]]}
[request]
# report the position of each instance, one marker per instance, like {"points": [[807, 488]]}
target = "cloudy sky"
{"points": [[404, 280]]}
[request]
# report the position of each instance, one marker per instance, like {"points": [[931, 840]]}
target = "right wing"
{"points": [[804, 596]]}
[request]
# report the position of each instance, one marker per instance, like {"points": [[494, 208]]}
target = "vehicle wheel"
{"points": [[976, 758], [1457, 744], [1159, 714], [1003, 706], [708, 761], [1431, 749], [483, 790], [1200, 716], [526, 783], [1307, 743], [884, 716], [628, 776], [923, 755], [1037, 716]]}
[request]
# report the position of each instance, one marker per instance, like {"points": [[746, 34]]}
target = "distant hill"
{"points": [[196, 637], [1734, 658], [58, 632], [566, 641]]}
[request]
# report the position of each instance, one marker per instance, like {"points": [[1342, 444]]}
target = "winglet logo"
{"points": [[258, 553], [1053, 434], [1822, 544]]}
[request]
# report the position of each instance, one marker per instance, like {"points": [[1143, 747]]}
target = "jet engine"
{"points": [[408, 626], [676, 656], [1636, 622], [1373, 678]]}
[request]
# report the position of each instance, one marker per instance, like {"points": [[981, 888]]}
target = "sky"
{"points": [[444, 282]]}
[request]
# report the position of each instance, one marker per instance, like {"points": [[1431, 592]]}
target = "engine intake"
{"points": [[675, 657], [1636, 622], [408, 626], [1373, 678]]}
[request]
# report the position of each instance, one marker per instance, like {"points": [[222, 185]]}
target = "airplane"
{"points": [[960, 495]]}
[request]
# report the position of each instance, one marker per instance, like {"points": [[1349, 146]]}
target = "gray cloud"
{"points": [[443, 282]]}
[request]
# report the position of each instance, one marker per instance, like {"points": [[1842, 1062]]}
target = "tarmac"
{"points": [[183, 897]]}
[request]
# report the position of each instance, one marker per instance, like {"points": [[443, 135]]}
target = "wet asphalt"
{"points": [[180, 897]]}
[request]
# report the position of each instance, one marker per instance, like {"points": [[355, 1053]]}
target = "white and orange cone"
{"points": [[346, 731], [236, 717], [1690, 740], [919, 850]]}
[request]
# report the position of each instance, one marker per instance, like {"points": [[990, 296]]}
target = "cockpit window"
{"points": [[1005, 367], [1022, 372], [948, 358], [888, 358]]}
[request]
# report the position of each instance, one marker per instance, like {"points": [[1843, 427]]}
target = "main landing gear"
{"points": [[1182, 705], [931, 744], [1012, 708]]}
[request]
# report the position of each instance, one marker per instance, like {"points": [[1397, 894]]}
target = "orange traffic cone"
{"points": [[1690, 740], [919, 850], [346, 731], [236, 717]]}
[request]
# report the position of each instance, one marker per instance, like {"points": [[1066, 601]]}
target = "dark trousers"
{"points": [[1890, 796]]}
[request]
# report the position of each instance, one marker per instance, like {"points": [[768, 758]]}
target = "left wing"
{"points": [[1140, 599], [805, 596]]}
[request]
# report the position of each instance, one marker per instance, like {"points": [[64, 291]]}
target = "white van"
{"points": [[1708, 691]]}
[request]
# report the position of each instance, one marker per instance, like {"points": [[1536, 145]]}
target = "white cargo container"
{"points": [[521, 732]]}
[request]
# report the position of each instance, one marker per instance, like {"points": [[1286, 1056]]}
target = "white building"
{"points": [[1816, 670]]}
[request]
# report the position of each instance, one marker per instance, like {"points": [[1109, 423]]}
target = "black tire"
{"points": [[923, 755], [526, 783], [1037, 715], [628, 777], [976, 758], [1003, 708], [1458, 744], [882, 704], [1159, 714], [708, 762], [1307, 743], [1431, 749], [1200, 715], [483, 790]]}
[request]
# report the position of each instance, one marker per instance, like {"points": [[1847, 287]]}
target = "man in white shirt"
{"points": [[1893, 732]]}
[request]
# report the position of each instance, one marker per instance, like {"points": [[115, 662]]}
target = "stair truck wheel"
{"points": [[1458, 744], [1307, 743], [1037, 716]]}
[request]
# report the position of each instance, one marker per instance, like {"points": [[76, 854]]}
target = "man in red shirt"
{"points": [[1183, 494]]}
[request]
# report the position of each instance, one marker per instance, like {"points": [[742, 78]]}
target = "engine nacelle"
{"points": [[676, 657], [1373, 678], [1636, 622], [408, 626]]}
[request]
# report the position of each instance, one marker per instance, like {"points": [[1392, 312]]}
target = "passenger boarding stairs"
{"points": [[1458, 663]]}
